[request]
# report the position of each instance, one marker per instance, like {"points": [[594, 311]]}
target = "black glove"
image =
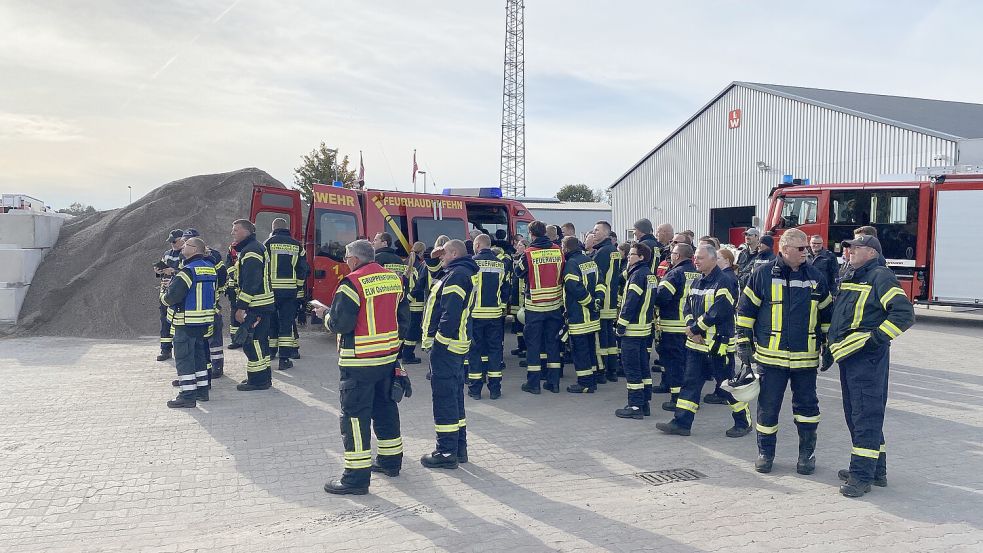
{"points": [[827, 360], [744, 352], [407, 387], [619, 331]]}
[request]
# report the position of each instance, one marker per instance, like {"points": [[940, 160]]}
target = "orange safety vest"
{"points": [[545, 266], [376, 329]]}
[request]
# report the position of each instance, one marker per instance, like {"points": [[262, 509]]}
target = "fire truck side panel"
{"points": [[956, 269]]}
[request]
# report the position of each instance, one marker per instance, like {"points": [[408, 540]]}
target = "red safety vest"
{"points": [[545, 267], [376, 329]]}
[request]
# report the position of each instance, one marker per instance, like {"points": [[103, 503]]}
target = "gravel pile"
{"points": [[98, 280]]}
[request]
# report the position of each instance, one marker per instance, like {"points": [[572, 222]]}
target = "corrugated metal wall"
{"points": [[708, 166]]}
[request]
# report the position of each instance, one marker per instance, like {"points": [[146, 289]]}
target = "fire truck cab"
{"points": [[924, 227], [337, 216]]}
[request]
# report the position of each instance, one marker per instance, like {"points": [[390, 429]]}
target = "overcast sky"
{"points": [[99, 95]]}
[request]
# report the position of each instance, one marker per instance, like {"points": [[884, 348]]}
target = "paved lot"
{"points": [[91, 460]]}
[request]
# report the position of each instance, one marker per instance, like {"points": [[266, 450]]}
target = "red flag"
{"points": [[415, 167], [361, 170]]}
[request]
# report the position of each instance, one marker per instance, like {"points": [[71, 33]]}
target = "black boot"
{"points": [[669, 405], [578, 389], [201, 394], [218, 369], [599, 378], [764, 464], [338, 488], [247, 387], [714, 399], [629, 412], [182, 402], [737, 431], [285, 363], [494, 394], [237, 346], [672, 428], [611, 376], [376, 467], [518, 352], [527, 388], [165, 354], [807, 453], [462, 455], [854, 488], [879, 481], [474, 393], [647, 409], [438, 460]]}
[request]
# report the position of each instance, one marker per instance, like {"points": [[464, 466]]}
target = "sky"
{"points": [[104, 95]]}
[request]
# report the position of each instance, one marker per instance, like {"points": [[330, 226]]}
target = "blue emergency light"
{"points": [[786, 179], [338, 184], [475, 192]]}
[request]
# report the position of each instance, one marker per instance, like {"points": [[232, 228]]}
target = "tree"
{"points": [[602, 195], [78, 209], [576, 193], [318, 167]]}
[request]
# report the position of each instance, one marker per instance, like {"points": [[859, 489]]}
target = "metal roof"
{"points": [[567, 206], [940, 118]]}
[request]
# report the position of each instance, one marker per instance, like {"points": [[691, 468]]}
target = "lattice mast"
{"points": [[512, 170]]}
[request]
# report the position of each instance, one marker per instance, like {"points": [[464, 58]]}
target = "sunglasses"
{"points": [[800, 248]]}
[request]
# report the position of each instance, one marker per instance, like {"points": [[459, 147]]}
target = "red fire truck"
{"points": [[928, 229], [338, 216]]}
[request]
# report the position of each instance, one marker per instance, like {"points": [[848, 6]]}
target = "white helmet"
{"points": [[520, 316], [745, 386]]}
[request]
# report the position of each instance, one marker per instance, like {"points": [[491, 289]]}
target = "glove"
{"points": [[403, 378], [427, 343], [744, 352], [827, 360]]}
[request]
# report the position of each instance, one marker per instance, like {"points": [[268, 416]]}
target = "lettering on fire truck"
{"points": [[333, 199], [420, 202]]}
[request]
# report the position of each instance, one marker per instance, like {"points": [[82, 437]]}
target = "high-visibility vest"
{"points": [[198, 308], [545, 288], [378, 293]]}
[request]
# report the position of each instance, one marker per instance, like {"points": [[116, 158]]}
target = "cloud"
{"points": [[40, 128]]}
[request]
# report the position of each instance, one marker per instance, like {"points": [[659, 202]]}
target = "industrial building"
{"points": [[715, 171], [583, 215]]}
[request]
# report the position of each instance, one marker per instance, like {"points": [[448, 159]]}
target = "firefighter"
{"points": [[366, 314], [386, 255], [783, 316], [824, 260], [288, 270], [541, 268], [232, 289], [165, 269], [491, 295], [663, 236], [448, 331], [670, 300], [634, 326], [870, 310], [747, 253], [418, 280], [254, 305], [709, 314], [517, 303], [609, 267], [191, 296], [583, 296]]}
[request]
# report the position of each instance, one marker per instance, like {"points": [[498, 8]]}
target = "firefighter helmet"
{"points": [[744, 386]]}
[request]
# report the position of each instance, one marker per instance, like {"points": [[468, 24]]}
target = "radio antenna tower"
{"points": [[512, 171]]}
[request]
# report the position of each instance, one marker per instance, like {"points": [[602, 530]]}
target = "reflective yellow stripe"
{"points": [[803, 418], [863, 452], [746, 322], [777, 294], [445, 428], [890, 294], [638, 386], [351, 361], [766, 429], [752, 296], [687, 405], [739, 406], [889, 328]]}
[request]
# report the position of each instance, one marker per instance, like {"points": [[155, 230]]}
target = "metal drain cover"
{"points": [[659, 477]]}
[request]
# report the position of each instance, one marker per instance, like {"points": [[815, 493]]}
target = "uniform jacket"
{"points": [[871, 309], [191, 294], [368, 292], [254, 294], [541, 267], [638, 308], [492, 292], [609, 267], [580, 292], [287, 264], [446, 317], [671, 296], [656, 247], [786, 314], [827, 265], [709, 312]]}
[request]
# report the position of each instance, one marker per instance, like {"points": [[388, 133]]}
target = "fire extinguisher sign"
{"points": [[734, 119]]}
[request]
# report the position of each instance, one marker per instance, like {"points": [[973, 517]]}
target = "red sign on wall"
{"points": [[734, 119]]}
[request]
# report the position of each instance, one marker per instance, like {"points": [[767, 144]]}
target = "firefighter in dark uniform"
{"points": [[764, 255], [518, 303], [491, 295], [386, 255], [418, 284], [670, 301], [583, 296], [191, 296], [288, 270], [216, 351], [634, 327], [643, 233], [709, 316], [366, 314], [447, 333], [609, 267], [232, 289], [870, 311], [541, 268], [254, 305], [783, 315], [747, 253], [824, 260], [168, 265]]}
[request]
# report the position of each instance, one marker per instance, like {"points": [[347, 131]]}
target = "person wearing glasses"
{"points": [[870, 311], [748, 251], [634, 326], [671, 299], [783, 316]]}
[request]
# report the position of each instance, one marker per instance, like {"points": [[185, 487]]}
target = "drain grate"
{"points": [[659, 477]]}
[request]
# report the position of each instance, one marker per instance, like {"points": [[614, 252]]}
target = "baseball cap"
{"points": [[865, 240], [768, 241], [191, 233], [643, 225], [752, 231], [175, 235]]}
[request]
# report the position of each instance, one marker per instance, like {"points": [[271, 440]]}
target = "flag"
{"points": [[415, 167], [361, 170]]}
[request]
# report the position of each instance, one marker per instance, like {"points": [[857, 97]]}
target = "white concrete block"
{"points": [[17, 266], [27, 229], [11, 300]]}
